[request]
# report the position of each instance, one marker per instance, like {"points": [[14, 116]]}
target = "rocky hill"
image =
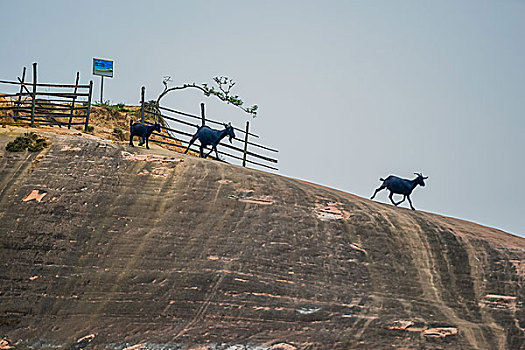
{"points": [[104, 246]]}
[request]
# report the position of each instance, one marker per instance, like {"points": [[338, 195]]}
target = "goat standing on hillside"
{"points": [[208, 136], [143, 131], [401, 186]]}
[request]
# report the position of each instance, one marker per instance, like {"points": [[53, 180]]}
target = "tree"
{"points": [[222, 91]]}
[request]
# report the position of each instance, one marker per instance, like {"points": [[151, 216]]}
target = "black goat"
{"points": [[143, 131], [208, 136], [401, 186]]}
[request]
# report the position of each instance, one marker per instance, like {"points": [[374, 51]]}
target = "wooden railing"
{"points": [[181, 126], [55, 104]]}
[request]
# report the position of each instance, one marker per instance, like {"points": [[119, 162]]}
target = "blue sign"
{"points": [[102, 67]]}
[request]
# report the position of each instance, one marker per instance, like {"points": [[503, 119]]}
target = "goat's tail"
{"points": [[381, 179]]}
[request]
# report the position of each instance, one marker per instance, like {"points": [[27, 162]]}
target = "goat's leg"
{"points": [[377, 190], [216, 153], [147, 144], [409, 201], [391, 198], [211, 150], [141, 140], [202, 151], [131, 134], [191, 143], [401, 201]]}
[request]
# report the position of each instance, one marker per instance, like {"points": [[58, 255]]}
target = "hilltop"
{"points": [[110, 122], [104, 246]]}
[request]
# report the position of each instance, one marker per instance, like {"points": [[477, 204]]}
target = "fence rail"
{"points": [[50, 105], [200, 118], [46, 85], [175, 122]]}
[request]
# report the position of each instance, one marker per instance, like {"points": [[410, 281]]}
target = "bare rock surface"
{"points": [[104, 246]]}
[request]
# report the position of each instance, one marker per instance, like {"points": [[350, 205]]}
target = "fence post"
{"points": [[203, 116], [142, 93], [73, 103], [245, 144], [34, 96], [20, 94], [89, 105]]}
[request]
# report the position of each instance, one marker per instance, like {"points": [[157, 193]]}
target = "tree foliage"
{"points": [[222, 90]]}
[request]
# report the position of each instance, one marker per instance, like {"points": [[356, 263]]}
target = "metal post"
{"points": [[101, 89], [73, 103], [34, 96], [203, 116], [89, 105], [245, 144], [21, 90], [142, 93]]}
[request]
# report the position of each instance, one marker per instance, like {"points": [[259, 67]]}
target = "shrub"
{"points": [[118, 133], [30, 141], [39, 145], [18, 145], [119, 107]]}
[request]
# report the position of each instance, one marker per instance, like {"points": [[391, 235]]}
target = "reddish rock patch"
{"points": [[440, 332], [150, 158], [36, 195]]}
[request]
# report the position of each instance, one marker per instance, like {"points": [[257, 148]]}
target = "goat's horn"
{"points": [[426, 177]]}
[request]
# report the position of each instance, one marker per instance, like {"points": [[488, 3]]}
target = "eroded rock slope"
{"points": [[107, 247]]}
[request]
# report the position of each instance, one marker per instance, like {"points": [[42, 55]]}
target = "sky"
{"points": [[348, 91]]}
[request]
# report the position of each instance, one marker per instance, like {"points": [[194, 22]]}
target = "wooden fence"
{"points": [[54, 104], [181, 126], [49, 104]]}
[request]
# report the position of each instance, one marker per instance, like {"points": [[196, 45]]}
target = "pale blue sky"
{"points": [[349, 91]]}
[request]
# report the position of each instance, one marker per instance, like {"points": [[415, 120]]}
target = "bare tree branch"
{"points": [[224, 85]]}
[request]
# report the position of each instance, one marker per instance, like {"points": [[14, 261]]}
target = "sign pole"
{"points": [[101, 89]]}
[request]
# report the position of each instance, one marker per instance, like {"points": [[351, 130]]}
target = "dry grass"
{"points": [[108, 123]]}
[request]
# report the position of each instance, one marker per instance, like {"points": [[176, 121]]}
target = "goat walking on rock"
{"points": [[143, 131], [401, 186], [208, 136]]}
